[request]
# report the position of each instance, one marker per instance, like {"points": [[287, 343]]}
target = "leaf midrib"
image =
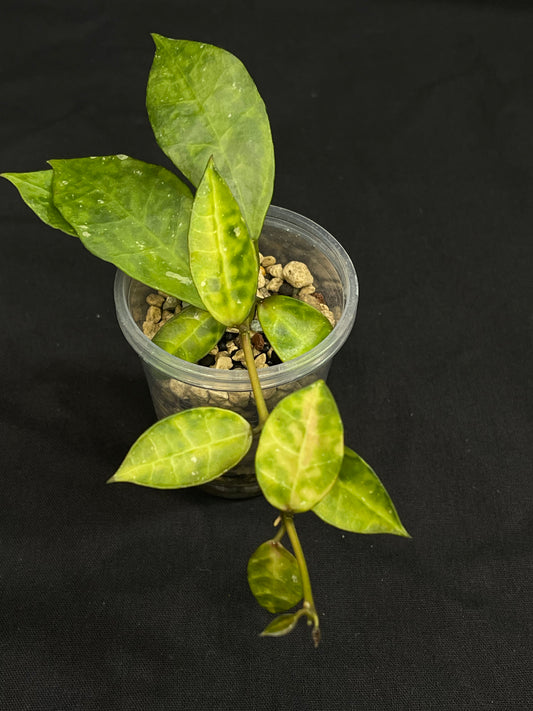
{"points": [[201, 106], [343, 485], [195, 448]]}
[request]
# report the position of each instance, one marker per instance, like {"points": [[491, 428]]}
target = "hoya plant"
{"points": [[194, 236]]}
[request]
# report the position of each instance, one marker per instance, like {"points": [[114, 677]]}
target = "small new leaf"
{"points": [[36, 191], [223, 258], [281, 625], [186, 449], [189, 335], [358, 501], [300, 449], [132, 214], [274, 577], [292, 327]]}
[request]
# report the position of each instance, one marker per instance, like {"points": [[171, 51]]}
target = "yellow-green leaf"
{"points": [[189, 335], [36, 191], [202, 102], [358, 501], [292, 326], [223, 258], [132, 214], [300, 449], [281, 625], [186, 449], [274, 577]]}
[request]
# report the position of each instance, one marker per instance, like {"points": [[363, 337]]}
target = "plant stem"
{"points": [[260, 403], [308, 604]]}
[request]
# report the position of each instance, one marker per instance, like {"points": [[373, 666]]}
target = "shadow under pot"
{"points": [[177, 385]]}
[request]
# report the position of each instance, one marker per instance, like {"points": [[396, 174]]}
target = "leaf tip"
{"points": [[11, 177], [156, 37]]}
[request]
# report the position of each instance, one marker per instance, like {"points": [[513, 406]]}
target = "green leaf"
{"points": [[202, 102], [189, 335], [281, 625], [358, 501], [186, 449], [292, 327], [133, 214], [223, 258], [36, 191], [274, 577], [300, 449]]}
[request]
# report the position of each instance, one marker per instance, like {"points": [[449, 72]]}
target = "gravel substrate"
{"points": [[292, 279]]}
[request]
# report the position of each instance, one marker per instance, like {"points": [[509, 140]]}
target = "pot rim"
{"points": [[272, 376]]}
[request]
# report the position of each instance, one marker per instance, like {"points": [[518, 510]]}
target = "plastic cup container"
{"points": [[177, 385]]}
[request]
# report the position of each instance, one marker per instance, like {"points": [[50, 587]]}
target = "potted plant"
{"points": [[196, 244]]}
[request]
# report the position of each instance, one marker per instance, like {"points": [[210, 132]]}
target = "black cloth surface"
{"points": [[405, 129]]}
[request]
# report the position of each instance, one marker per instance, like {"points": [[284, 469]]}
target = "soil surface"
{"points": [[291, 279]]}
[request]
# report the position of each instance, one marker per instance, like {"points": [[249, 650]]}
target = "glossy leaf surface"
{"points": [[223, 258], [133, 214], [281, 625], [292, 327], [202, 102], [186, 449], [358, 501], [36, 191], [274, 577], [300, 449], [189, 335]]}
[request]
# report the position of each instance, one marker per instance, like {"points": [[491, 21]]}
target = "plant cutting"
{"points": [[194, 237]]}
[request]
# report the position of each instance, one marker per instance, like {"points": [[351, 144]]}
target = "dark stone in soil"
{"points": [[273, 360], [286, 289], [207, 360], [258, 340]]}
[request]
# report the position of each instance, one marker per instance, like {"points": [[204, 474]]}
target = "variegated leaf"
{"points": [[358, 501], [292, 327], [202, 102], [223, 258], [281, 625], [274, 577], [132, 214], [189, 335], [186, 449], [300, 449]]}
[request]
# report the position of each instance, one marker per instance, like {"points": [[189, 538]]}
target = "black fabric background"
{"points": [[405, 129]]}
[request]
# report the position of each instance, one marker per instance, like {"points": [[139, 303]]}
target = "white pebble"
{"points": [[297, 274], [276, 270], [260, 361], [223, 361], [268, 261], [274, 284]]}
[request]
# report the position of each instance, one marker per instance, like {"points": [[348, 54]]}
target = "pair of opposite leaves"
{"points": [[224, 266], [302, 463]]}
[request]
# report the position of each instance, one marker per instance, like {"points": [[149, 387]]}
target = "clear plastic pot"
{"points": [[177, 385]]}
